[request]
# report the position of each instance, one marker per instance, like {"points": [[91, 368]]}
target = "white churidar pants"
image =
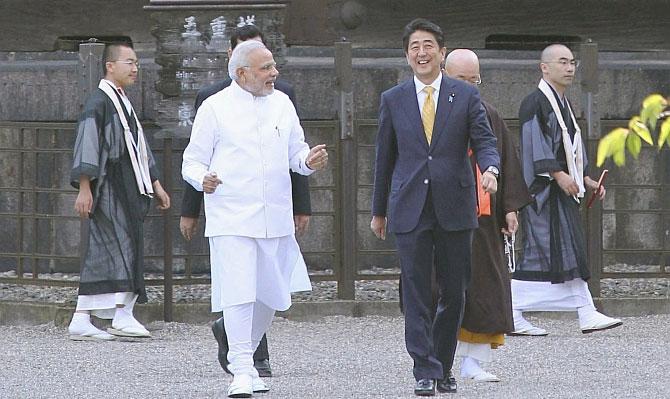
{"points": [[245, 325], [251, 278]]}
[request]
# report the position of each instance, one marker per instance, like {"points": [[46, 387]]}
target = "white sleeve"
{"points": [[298, 149], [198, 154]]}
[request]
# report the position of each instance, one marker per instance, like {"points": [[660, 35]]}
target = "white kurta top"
{"points": [[250, 142]]}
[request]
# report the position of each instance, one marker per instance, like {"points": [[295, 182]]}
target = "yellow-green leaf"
{"points": [[614, 142], [636, 125], [604, 149], [665, 133], [652, 106], [654, 99], [619, 148], [634, 144], [619, 157]]}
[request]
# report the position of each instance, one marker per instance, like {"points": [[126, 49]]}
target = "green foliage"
{"points": [[652, 106], [665, 133], [640, 127], [634, 145], [613, 145], [636, 125]]}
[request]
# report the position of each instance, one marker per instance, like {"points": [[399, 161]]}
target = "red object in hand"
{"points": [[601, 181]]}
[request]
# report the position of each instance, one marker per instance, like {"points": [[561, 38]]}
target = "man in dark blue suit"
{"points": [[424, 186], [192, 202]]}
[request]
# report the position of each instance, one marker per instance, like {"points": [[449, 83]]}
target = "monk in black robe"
{"points": [[553, 270], [116, 175]]}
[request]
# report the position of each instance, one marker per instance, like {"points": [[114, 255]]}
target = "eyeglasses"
{"points": [[264, 68], [564, 62], [474, 80], [129, 62], [268, 68]]}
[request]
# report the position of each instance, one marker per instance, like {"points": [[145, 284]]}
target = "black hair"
{"points": [[111, 53], [244, 33], [424, 25]]}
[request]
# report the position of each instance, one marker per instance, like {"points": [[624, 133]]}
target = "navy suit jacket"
{"points": [[405, 165], [192, 201]]}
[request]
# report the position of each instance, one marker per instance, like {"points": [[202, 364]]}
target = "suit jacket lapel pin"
{"points": [[451, 97]]}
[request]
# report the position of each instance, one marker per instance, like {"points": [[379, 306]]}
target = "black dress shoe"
{"points": [[448, 383], [425, 387], [218, 331], [263, 368]]}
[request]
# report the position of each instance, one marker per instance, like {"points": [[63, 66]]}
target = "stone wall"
{"points": [[36, 25], [42, 86]]}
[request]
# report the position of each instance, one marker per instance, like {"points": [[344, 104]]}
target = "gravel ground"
{"points": [[336, 357]]}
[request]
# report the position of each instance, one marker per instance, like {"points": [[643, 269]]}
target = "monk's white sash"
{"points": [[574, 154], [139, 157]]}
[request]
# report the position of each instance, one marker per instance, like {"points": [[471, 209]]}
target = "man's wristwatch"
{"points": [[493, 170]]}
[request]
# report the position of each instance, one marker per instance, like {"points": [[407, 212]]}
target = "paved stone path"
{"points": [[334, 357]]}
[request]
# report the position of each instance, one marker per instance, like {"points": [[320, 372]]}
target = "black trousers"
{"points": [[431, 337], [262, 350]]}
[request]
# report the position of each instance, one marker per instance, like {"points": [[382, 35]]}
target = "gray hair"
{"points": [[240, 56]]}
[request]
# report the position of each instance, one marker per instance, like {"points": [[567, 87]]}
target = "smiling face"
{"points": [[258, 78], [424, 56], [123, 69]]}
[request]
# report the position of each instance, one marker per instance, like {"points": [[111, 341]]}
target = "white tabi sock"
{"points": [[81, 326], [124, 319], [470, 367], [80, 323]]}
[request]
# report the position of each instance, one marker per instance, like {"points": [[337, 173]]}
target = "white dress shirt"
{"points": [[250, 142], [421, 95]]}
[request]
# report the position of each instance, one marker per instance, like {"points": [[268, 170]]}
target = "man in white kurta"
{"points": [[243, 142]]}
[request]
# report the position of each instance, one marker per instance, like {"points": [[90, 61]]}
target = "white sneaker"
{"points": [[522, 327], [259, 386], [241, 387], [81, 329], [591, 321]]}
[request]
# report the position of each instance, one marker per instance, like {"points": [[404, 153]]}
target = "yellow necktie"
{"points": [[428, 113]]}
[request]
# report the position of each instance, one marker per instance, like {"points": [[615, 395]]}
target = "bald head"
{"points": [[463, 64], [554, 51]]}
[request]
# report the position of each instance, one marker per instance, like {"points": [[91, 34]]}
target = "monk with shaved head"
{"points": [[552, 272], [488, 303]]}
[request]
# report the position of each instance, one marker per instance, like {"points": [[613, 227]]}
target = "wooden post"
{"points": [[167, 233], [90, 68], [89, 73], [347, 158], [588, 54]]}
